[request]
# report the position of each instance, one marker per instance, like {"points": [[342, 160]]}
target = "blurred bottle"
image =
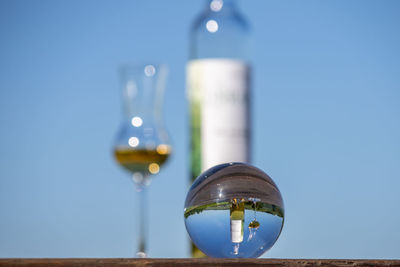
{"points": [[218, 86]]}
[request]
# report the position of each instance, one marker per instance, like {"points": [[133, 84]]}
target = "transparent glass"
{"points": [[142, 144], [220, 31], [234, 210]]}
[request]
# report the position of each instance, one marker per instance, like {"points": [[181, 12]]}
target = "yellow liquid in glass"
{"points": [[146, 161]]}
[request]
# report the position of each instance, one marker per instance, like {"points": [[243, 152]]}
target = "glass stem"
{"points": [[142, 218]]}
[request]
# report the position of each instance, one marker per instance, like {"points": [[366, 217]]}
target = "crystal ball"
{"points": [[234, 210]]}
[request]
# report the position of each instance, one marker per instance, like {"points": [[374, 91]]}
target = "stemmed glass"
{"points": [[142, 144]]}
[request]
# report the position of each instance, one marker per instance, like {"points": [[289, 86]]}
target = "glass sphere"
{"points": [[234, 210]]}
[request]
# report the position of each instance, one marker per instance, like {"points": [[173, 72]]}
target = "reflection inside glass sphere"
{"points": [[234, 210]]}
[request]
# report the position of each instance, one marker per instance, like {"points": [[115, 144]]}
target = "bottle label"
{"points": [[236, 231], [219, 96]]}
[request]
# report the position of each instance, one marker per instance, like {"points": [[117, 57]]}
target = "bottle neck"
{"points": [[221, 5]]}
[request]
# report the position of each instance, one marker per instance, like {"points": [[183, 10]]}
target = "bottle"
{"points": [[218, 87], [237, 220]]}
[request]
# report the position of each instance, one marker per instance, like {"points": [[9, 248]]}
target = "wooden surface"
{"points": [[192, 262]]}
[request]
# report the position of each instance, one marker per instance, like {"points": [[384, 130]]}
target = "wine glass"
{"points": [[142, 144]]}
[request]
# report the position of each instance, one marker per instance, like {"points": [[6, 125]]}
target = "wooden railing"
{"points": [[193, 262]]}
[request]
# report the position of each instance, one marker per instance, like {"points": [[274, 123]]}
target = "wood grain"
{"points": [[192, 262]]}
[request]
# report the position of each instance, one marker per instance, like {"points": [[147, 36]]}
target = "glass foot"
{"points": [[141, 255]]}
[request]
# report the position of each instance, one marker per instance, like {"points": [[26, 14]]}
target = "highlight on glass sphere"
{"points": [[234, 210]]}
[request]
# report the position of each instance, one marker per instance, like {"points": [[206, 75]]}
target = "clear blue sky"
{"points": [[326, 124]]}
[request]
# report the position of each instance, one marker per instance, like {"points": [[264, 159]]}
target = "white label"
{"points": [[222, 88], [236, 231]]}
